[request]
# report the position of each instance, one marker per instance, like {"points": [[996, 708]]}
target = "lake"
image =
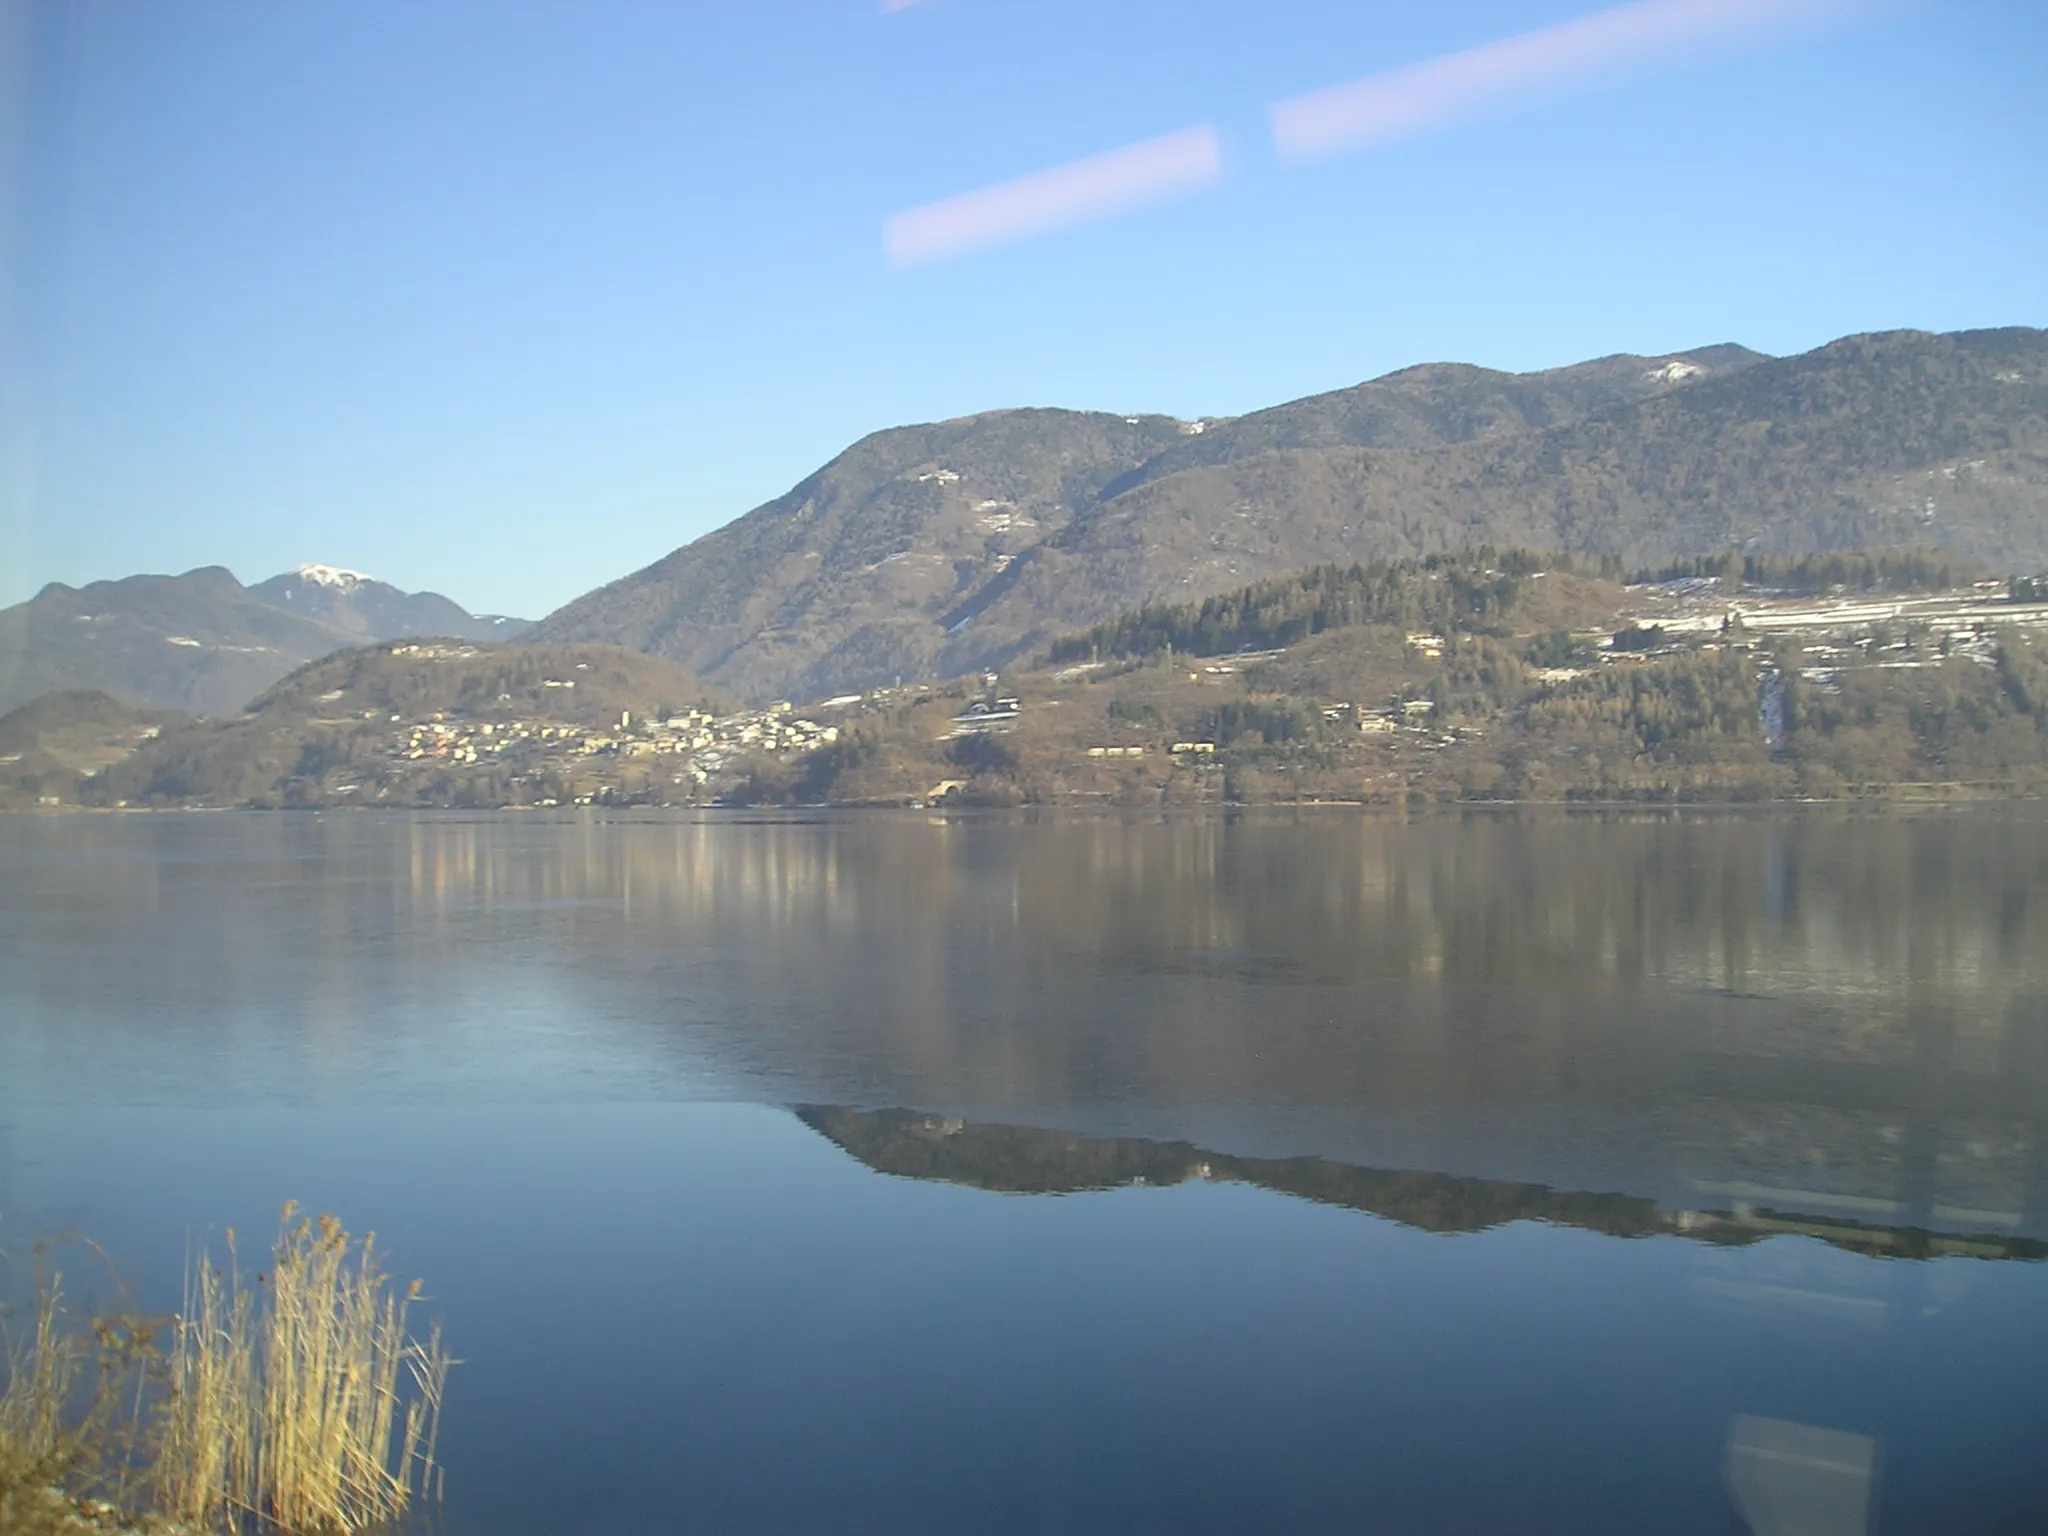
{"points": [[1297, 1172]]}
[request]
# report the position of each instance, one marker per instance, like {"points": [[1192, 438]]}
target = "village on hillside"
{"points": [[688, 750], [1385, 712], [1663, 690]]}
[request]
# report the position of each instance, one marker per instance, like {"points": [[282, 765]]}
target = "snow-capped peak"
{"points": [[332, 576]]}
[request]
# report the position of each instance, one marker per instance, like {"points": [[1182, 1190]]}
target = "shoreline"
{"points": [[1419, 808]]}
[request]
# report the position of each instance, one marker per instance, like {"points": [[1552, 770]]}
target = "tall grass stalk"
{"points": [[38, 1440], [207, 1431], [317, 1412]]}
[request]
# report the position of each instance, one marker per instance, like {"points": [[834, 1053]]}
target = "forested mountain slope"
{"points": [[1433, 404], [944, 549], [853, 573]]}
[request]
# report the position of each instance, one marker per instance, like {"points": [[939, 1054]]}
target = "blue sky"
{"points": [[505, 299]]}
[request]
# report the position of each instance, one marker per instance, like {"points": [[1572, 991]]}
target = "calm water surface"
{"points": [[1626, 1174]]}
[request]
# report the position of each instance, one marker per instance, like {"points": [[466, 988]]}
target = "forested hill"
{"points": [[1438, 592], [48, 744], [945, 549], [1472, 590]]}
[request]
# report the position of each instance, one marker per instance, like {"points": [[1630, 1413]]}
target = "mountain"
{"points": [[939, 550], [202, 642], [368, 610], [857, 571], [197, 642], [1438, 403]]}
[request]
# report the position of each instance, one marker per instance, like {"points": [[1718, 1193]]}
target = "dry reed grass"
{"points": [[39, 1445], [297, 1403], [70, 1410]]}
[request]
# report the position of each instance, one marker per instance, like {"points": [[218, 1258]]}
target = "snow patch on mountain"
{"points": [[332, 576]]}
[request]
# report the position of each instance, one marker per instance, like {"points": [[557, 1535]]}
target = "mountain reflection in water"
{"points": [[1727, 1111], [1844, 1016], [1015, 1159]]}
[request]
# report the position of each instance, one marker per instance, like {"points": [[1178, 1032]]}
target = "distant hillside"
{"points": [[368, 610], [337, 722], [202, 642], [936, 551], [197, 642], [45, 745]]}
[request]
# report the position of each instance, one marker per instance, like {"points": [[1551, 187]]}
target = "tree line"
{"points": [[1857, 570], [1444, 593]]}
